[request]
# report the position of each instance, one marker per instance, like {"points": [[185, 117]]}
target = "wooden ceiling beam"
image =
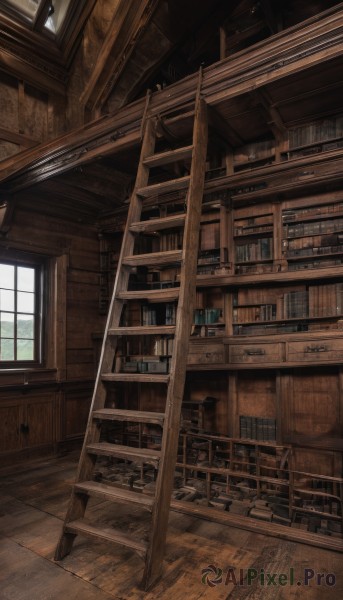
{"points": [[17, 138], [127, 26], [271, 114]]}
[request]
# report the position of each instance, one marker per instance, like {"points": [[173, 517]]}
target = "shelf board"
{"points": [[312, 256], [290, 320], [253, 234]]}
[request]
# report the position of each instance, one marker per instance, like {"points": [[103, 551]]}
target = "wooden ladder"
{"points": [[165, 458]]}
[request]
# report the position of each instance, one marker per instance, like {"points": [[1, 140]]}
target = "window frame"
{"points": [[39, 263]]}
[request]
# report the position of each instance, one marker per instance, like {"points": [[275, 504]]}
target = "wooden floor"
{"points": [[33, 500]]}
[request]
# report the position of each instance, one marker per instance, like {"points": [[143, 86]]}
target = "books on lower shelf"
{"points": [[257, 428], [255, 250], [144, 364], [159, 314]]}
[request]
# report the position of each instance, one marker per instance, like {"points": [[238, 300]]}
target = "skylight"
{"points": [[49, 14], [57, 15]]}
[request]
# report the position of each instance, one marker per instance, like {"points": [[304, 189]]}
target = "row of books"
{"points": [[296, 305], [257, 428], [209, 257], [159, 314], [163, 346], [314, 264], [316, 149], [314, 251], [207, 316], [296, 215], [253, 269], [322, 130], [144, 364], [263, 312], [260, 249], [313, 228]]}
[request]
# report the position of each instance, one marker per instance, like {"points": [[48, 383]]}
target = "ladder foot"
{"points": [[150, 578], [64, 546]]}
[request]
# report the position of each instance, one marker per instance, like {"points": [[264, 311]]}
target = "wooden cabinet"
{"points": [[27, 422]]}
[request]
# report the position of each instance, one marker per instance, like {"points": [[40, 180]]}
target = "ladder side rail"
{"points": [[184, 322], [77, 504]]}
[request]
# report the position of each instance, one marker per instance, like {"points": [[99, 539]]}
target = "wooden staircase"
{"points": [[163, 459]]}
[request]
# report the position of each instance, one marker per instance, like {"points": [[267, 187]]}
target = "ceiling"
{"points": [[94, 189]]}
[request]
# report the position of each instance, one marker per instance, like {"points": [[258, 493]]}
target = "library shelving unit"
{"points": [[264, 386]]}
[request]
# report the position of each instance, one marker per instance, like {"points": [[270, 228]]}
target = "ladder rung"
{"points": [[142, 455], [163, 295], [153, 258], [107, 533], [137, 416], [158, 224], [164, 158], [171, 185], [142, 377], [143, 330], [109, 492]]}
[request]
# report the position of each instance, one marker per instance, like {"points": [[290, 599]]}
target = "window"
{"points": [[49, 15], [20, 312]]}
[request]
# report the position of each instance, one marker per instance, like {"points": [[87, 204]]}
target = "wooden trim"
{"points": [[57, 319]]}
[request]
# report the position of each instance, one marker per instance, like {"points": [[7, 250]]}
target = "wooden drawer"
{"points": [[315, 351], [206, 353], [255, 353]]}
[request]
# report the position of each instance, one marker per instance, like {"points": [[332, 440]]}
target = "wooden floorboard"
{"points": [[33, 499]]}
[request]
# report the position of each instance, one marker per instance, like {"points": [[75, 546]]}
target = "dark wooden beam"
{"points": [[128, 23], [271, 113], [17, 138]]}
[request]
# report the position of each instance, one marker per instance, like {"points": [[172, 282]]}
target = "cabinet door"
{"points": [[39, 422], [11, 418]]}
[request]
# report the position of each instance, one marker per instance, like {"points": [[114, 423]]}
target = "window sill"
{"points": [[26, 376]]}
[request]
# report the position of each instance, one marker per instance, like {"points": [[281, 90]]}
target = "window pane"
{"points": [[25, 327], [7, 277], [7, 325], [25, 302], [25, 350], [26, 279], [6, 300], [7, 349]]}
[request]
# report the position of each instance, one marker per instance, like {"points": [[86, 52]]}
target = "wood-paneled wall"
{"points": [[40, 410]]}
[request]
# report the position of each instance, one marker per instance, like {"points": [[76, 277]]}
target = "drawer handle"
{"points": [[310, 349], [255, 352]]}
